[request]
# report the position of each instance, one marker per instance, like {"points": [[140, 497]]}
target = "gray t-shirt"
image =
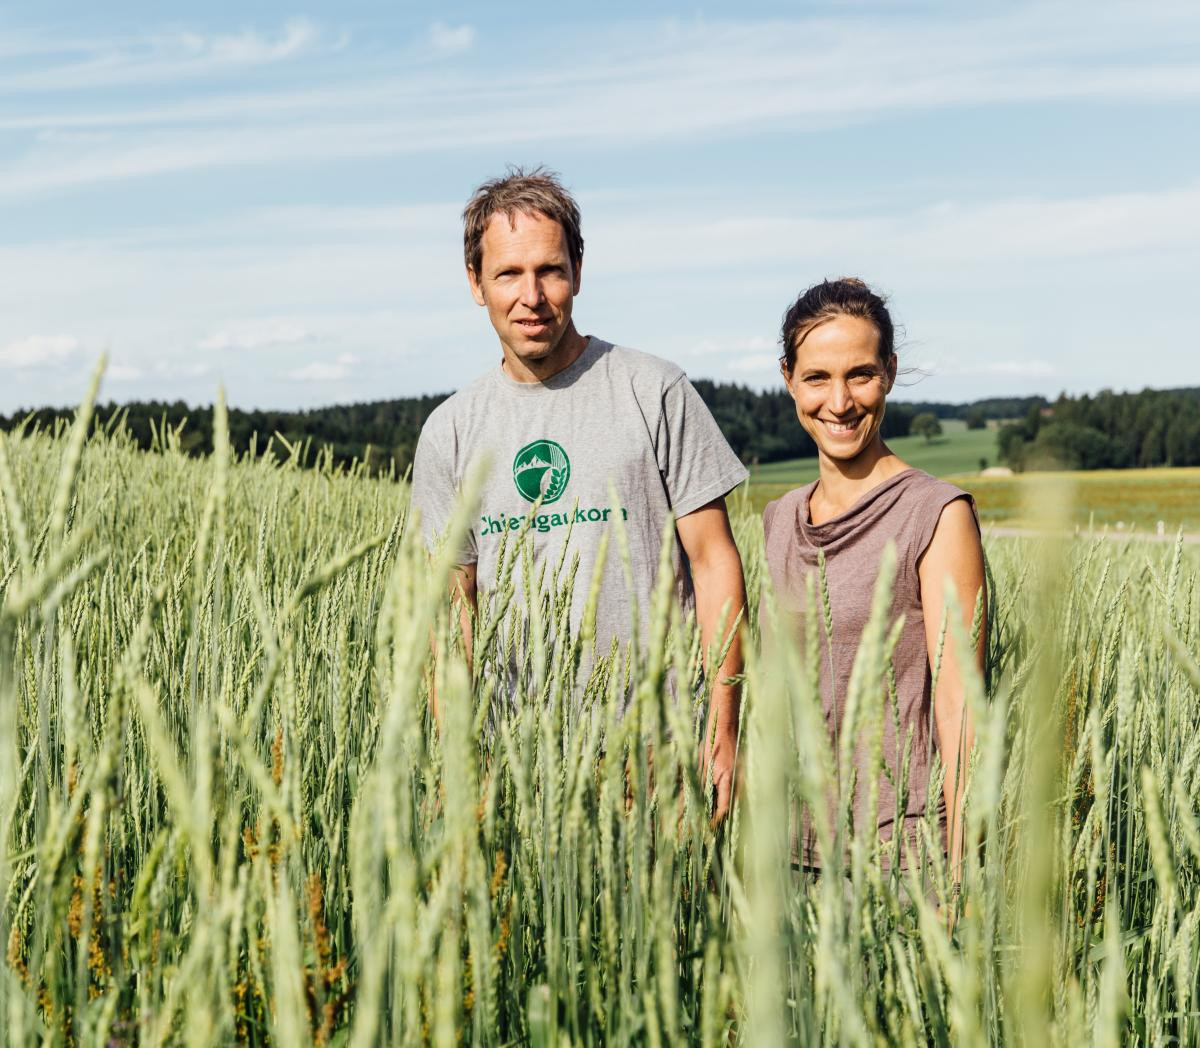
{"points": [[614, 417]]}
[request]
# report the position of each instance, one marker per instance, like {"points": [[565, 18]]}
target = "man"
{"points": [[564, 418]]}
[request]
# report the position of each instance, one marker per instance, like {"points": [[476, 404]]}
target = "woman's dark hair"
{"points": [[845, 297]]}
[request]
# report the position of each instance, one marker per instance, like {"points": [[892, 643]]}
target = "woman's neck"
{"points": [[842, 482]]}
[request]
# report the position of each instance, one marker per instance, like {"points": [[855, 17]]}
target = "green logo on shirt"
{"points": [[541, 469]]}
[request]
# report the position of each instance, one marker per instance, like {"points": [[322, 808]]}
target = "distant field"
{"points": [[1136, 498], [957, 451]]}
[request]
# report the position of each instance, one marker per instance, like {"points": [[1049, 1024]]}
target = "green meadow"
{"points": [[957, 451]]}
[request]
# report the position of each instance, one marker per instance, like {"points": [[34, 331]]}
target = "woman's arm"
{"points": [[955, 553]]}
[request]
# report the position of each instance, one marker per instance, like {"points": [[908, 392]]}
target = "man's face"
{"points": [[527, 282]]}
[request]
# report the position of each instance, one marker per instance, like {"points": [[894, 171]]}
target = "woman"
{"points": [[839, 363]]}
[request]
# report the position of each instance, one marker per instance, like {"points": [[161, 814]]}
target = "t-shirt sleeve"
{"points": [[696, 461], [435, 491]]}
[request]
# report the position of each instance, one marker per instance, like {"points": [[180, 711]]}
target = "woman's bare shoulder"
{"points": [[955, 540]]}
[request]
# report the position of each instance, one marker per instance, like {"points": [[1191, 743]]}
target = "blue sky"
{"points": [[271, 200]]}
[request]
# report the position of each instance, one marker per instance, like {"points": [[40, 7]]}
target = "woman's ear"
{"points": [[892, 363]]}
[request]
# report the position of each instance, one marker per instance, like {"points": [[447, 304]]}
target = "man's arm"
{"points": [[463, 601], [720, 597], [955, 553]]}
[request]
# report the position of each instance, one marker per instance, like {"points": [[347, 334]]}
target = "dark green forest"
{"points": [[382, 434], [760, 427], [1107, 430], [989, 408]]}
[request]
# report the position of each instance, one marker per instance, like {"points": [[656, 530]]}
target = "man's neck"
{"points": [[569, 349]]}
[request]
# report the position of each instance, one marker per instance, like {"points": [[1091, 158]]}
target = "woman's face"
{"points": [[839, 386]]}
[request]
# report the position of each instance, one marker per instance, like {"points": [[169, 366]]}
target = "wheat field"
{"points": [[228, 817]]}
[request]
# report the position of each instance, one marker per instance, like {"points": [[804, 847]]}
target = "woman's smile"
{"points": [[840, 386], [842, 428]]}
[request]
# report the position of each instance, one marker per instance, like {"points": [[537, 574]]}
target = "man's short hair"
{"points": [[529, 192]]}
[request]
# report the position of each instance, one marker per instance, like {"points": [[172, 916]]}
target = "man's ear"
{"points": [[577, 276], [476, 286]]}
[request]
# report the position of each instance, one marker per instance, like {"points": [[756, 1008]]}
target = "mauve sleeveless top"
{"points": [[904, 509]]}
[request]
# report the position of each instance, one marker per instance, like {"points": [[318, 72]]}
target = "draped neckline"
{"points": [[862, 512]]}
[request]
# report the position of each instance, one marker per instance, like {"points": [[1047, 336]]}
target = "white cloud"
{"points": [[1023, 368], [716, 347], [325, 371], [251, 48], [451, 40], [946, 234], [701, 280], [112, 62], [39, 351], [1010, 368], [755, 362], [256, 335], [123, 373], [36, 43], [179, 369], [662, 80], [752, 353]]}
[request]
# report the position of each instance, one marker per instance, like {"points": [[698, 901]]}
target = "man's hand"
{"points": [[720, 597]]}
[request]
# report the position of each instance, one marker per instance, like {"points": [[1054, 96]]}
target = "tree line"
{"points": [[977, 413], [1108, 430], [1156, 427], [382, 435], [762, 426]]}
